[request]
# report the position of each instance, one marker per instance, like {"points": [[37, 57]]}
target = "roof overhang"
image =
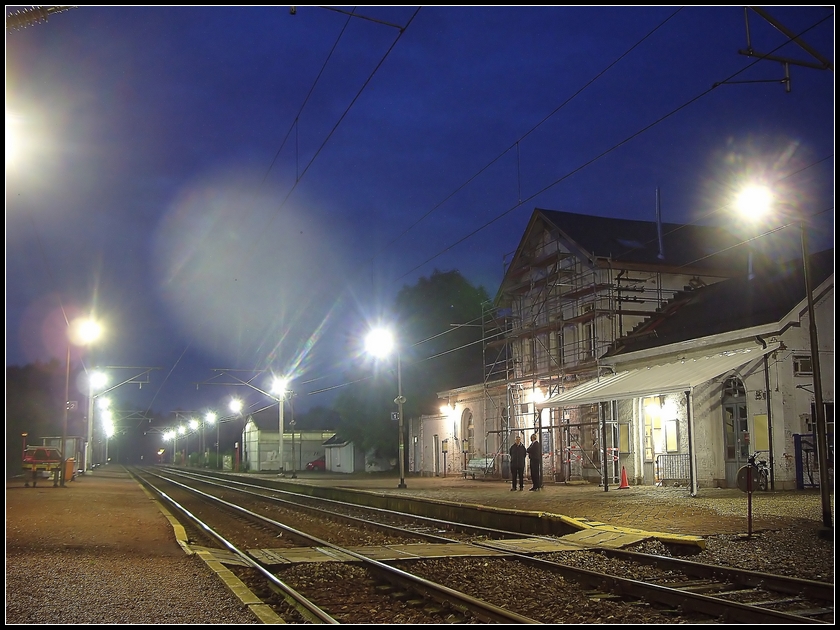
{"points": [[666, 378]]}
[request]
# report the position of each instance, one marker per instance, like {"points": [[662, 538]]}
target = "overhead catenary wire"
{"points": [[601, 155], [582, 166], [299, 176]]}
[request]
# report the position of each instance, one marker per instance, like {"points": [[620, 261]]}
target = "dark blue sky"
{"points": [[240, 187]]}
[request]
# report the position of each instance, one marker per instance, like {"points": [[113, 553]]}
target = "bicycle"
{"points": [[755, 475], [762, 469]]}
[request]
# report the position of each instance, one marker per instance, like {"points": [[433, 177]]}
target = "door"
{"points": [[736, 435]]}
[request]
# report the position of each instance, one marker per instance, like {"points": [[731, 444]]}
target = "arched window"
{"points": [[468, 430]]}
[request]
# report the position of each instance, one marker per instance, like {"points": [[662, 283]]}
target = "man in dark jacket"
{"points": [[517, 463], [535, 459]]}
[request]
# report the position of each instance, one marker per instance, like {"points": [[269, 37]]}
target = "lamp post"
{"points": [[822, 438], [380, 343], [194, 426], [292, 424], [210, 418], [757, 200], [107, 419], [64, 428], [108, 425], [179, 431], [236, 407], [279, 389], [81, 332], [95, 380]]}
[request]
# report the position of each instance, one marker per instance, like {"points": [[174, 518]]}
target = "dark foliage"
{"points": [[440, 339]]}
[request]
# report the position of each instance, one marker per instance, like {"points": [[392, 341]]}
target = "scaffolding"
{"points": [[557, 313]]}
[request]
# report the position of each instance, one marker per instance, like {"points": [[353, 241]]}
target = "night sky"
{"points": [[248, 188]]}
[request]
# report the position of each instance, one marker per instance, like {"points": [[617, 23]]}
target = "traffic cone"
{"points": [[624, 483]]}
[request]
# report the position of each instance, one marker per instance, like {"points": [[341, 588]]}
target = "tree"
{"points": [[365, 413], [318, 418], [34, 395], [440, 337]]}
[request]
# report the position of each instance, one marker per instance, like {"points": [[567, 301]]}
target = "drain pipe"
{"points": [[602, 412], [769, 421], [692, 476]]}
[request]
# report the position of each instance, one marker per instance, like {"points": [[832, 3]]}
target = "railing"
{"points": [[672, 467]]}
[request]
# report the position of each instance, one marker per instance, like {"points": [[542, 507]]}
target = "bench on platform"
{"points": [[484, 466]]}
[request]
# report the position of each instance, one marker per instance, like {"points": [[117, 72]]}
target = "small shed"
{"points": [[260, 438], [343, 456]]}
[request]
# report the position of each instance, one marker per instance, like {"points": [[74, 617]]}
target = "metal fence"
{"points": [[672, 467]]}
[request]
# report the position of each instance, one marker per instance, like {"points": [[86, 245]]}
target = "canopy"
{"points": [[666, 378]]}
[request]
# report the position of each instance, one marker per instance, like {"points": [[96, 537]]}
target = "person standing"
{"points": [[535, 459], [517, 463]]}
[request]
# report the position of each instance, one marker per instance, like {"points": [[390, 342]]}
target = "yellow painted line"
{"points": [[180, 532], [261, 610]]}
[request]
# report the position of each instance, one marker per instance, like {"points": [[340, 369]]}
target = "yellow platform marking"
{"points": [[260, 609], [219, 555]]}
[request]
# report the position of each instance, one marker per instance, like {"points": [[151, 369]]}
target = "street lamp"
{"points": [[107, 422], [194, 424], [380, 343], [292, 424], [278, 388], [81, 332], [758, 200], [168, 436], [210, 418], [180, 431], [96, 380], [236, 407]]}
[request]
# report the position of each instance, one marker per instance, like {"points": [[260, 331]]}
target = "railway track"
{"points": [[354, 593], [678, 590]]}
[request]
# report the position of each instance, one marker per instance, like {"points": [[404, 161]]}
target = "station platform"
{"points": [[665, 510]]}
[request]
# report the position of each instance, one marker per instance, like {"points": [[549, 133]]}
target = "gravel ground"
{"points": [[109, 588], [100, 551]]}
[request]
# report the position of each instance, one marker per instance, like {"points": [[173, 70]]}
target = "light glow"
{"points": [[379, 342], [755, 202]]}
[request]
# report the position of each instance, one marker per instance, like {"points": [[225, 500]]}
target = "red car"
{"points": [[317, 464]]}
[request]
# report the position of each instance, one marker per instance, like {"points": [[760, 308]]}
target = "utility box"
{"points": [[70, 469]]}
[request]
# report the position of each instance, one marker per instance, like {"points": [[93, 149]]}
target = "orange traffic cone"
{"points": [[624, 483]]}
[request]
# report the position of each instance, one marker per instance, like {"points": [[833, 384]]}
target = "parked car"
{"points": [[317, 464]]}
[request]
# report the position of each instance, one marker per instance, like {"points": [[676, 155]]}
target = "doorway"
{"points": [[736, 433]]}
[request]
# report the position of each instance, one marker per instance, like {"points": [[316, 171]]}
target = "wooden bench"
{"points": [[484, 466]]}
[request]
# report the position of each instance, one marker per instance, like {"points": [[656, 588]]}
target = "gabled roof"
{"points": [[729, 306], [335, 440], [268, 419], [630, 243], [634, 241]]}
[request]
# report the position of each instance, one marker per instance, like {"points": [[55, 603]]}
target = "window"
{"points": [[671, 441], [802, 365]]}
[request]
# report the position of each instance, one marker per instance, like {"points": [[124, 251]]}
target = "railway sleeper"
{"points": [[719, 587]]}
